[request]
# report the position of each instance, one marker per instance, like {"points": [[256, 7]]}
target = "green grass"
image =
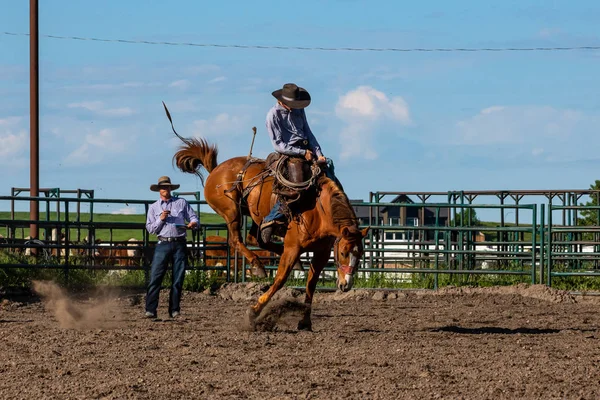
{"points": [[199, 280], [133, 225]]}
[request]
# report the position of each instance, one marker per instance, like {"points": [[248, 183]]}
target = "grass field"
{"points": [[132, 225]]}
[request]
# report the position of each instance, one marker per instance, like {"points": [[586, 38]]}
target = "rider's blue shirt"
{"points": [[290, 133]]}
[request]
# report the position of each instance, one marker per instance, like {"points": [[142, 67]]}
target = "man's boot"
{"points": [[266, 231]]}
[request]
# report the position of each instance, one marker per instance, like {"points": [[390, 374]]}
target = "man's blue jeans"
{"points": [[165, 252], [330, 173], [275, 213]]}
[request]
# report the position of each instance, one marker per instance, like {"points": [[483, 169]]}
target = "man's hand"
{"points": [[308, 155], [164, 214], [192, 225], [322, 160]]}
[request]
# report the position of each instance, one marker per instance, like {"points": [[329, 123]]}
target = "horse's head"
{"points": [[347, 251]]}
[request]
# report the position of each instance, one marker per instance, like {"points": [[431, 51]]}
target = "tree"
{"points": [[590, 217], [462, 218]]}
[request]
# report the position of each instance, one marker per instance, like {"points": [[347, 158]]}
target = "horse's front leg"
{"points": [[317, 264], [286, 262]]}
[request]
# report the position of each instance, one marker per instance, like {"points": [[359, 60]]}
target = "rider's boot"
{"points": [[266, 231]]}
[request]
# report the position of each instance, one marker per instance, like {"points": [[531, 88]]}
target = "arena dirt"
{"points": [[519, 342]]}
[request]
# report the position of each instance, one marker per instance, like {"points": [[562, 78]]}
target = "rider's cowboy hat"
{"points": [[164, 182], [292, 96]]}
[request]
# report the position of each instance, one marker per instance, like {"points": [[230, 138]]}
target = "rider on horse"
{"points": [[291, 136]]}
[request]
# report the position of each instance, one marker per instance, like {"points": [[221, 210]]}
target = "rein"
{"points": [[315, 169]]}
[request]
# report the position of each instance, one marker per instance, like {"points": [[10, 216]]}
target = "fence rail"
{"points": [[533, 247]]}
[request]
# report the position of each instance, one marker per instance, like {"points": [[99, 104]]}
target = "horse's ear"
{"points": [[364, 232], [345, 231]]}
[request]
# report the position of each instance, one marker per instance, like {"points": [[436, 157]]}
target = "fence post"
{"points": [[549, 245], [66, 269], [533, 243], [542, 234]]}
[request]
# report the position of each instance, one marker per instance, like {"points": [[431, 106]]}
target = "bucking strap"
{"points": [[240, 175]]}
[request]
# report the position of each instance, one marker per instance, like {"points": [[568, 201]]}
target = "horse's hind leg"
{"points": [[235, 240], [226, 205]]}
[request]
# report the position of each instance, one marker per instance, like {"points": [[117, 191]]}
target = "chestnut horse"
{"points": [[325, 221]]}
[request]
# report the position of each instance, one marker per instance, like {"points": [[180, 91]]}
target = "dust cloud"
{"points": [[71, 314], [278, 312]]}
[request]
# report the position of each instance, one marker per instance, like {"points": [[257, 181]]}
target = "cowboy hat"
{"points": [[292, 96], [163, 183]]}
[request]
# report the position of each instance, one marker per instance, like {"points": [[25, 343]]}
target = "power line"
{"points": [[383, 49]]}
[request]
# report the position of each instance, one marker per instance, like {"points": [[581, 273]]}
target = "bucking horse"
{"points": [[243, 186]]}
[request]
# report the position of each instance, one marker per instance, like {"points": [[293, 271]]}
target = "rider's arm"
{"points": [[312, 140], [278, 139]]}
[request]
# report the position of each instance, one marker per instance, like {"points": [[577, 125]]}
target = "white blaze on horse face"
{"points": [[349, 282], [354, 256]]}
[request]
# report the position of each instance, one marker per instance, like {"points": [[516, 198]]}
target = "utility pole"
{"points": [[34, 118]]}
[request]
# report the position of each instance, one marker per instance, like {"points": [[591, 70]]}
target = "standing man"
{"points": [[167, 219]]}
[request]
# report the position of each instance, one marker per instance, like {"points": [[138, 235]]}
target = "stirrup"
{"points": [[267, 231], [267, 224]]}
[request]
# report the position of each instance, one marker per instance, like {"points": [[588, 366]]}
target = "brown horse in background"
{"points": [[215, 255], [325, 221]]}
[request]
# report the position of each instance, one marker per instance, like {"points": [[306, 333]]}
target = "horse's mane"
{"points": [[342, 212]]}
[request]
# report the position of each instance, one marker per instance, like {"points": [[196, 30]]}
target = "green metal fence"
{"points": [[572, 250], [458, 250], [535, 248]]}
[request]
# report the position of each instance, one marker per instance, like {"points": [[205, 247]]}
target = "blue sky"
{"points": [[391, 121]]}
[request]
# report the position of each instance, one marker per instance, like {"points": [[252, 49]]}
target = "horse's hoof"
{"points": [[305, 325]]}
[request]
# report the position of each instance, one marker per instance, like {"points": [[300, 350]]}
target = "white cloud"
{"points": [[364, 111], [492, 109], [549, 32], [220, 125], [11, 143], [515, 125], [126, 211], [113, 88], [182, 84], [96, 147], [356, 141], [537, 151], [528, 133], [182, 106], [9, 121], [98, 108], [13, 139], [232, 133], [370, 103], [201, 69], [218, 79]]}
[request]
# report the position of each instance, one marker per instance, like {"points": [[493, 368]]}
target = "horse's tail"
{"points": [[196, 153]]}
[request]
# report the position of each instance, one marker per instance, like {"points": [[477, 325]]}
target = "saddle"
{"points": [[293, 175]]}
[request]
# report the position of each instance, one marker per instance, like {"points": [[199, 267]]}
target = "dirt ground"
{"points": [[520, 342]]}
